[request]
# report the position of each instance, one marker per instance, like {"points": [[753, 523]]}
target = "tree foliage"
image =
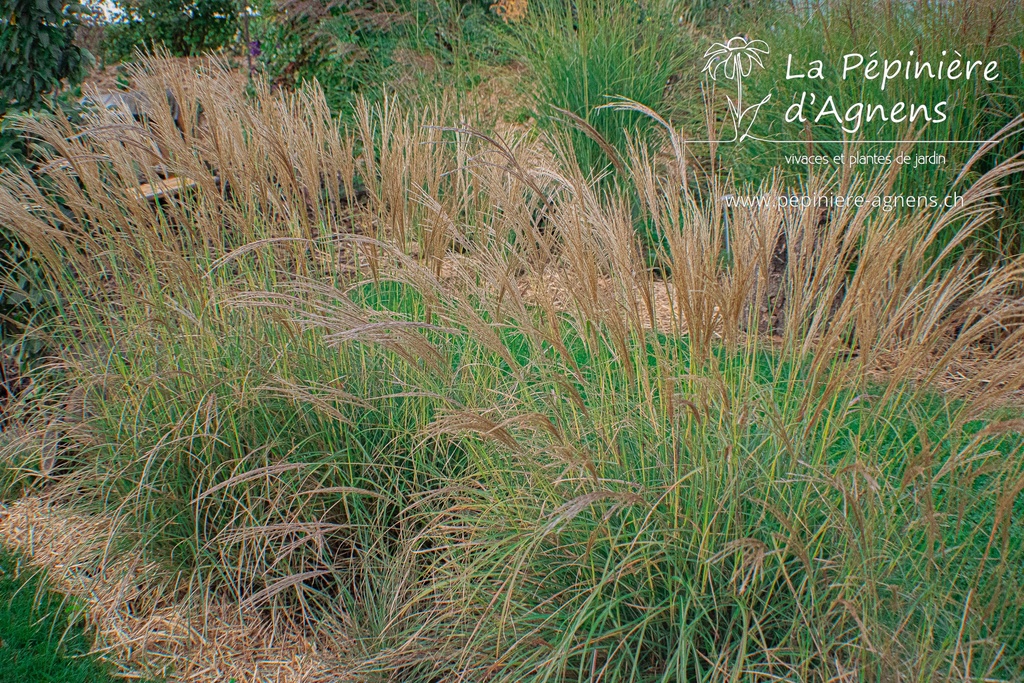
{"points": [[185, 27], [37, 50], [37, 55]]}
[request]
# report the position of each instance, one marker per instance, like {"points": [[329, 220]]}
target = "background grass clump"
{"points": [[586, 55]]}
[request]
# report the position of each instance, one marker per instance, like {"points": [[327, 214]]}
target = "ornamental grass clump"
{"points": [[584, 55], [413, 392]]}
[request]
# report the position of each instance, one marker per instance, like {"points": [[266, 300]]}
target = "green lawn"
{"points": [[41, 635]]}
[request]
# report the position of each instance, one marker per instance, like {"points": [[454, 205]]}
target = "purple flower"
{"points": [[254, 49]]}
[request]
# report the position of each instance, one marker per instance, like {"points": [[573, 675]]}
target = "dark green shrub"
{"points": [[37, 51], [184, 27], [355, 49], [37, 56], [21, 296]]}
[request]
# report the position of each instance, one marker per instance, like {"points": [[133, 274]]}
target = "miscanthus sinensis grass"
{"points": [[405, 387]]}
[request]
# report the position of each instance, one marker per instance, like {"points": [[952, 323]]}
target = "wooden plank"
{"points": [[167, 186]]}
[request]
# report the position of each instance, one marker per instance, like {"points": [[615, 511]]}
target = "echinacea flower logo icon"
{"points": [[735, 59]]}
